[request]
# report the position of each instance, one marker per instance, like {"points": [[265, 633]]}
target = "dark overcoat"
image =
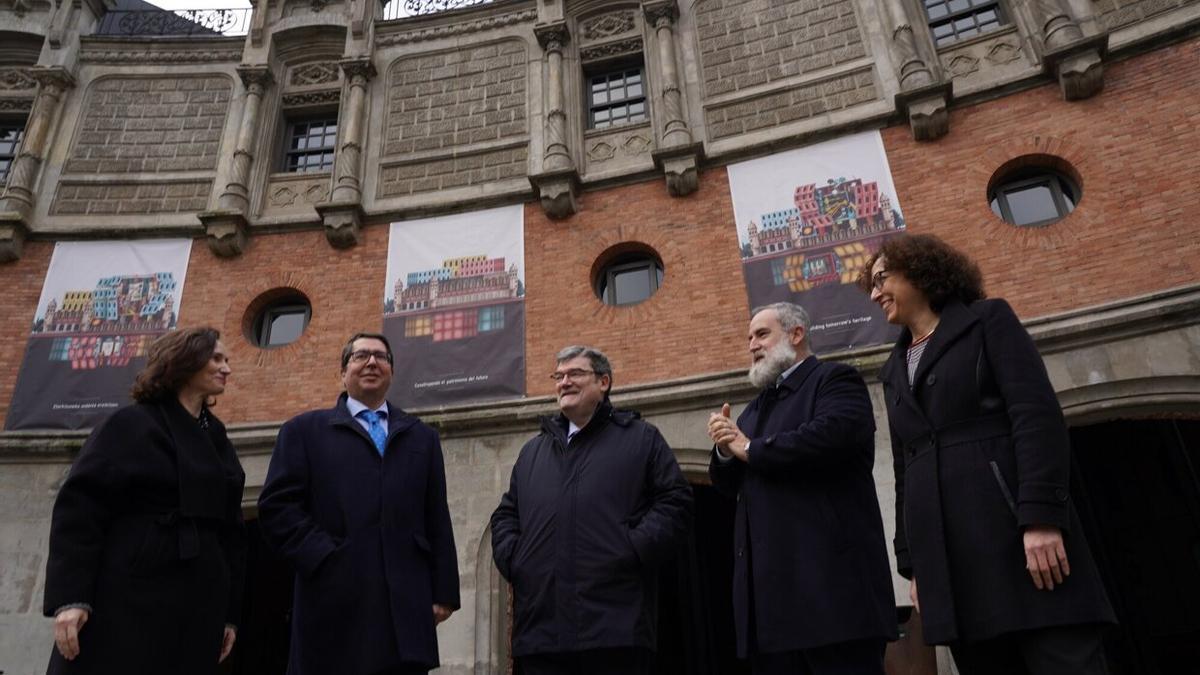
{"points": [[147, 531], [810, 563], [582, 530], [981, 451], [369, 538]]}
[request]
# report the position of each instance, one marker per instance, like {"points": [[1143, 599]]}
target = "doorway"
{"points": [[1137, 488]]}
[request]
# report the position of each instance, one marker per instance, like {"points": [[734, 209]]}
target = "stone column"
{"points": [[923, 95], [227, 227], [558, 181], [1075, 60], [18, 200], [343, 213], [678, 157]]}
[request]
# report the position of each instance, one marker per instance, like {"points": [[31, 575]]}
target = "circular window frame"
{"points": [[622, 257], [274, 300], [1028, 170]]}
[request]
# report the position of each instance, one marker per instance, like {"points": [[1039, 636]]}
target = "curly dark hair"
{"points": [[174, 358], [937, 269]]}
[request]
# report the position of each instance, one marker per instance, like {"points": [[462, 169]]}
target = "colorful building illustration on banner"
{"points": [[111, 324], [461, 299], [826, 237]]}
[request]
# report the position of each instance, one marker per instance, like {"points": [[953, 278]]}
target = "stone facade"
{"points": [[93, 198], [802, 102]]}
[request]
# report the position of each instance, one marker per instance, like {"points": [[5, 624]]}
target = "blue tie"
{"points": [[375, 428]]}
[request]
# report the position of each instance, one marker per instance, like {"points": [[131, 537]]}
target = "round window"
{"points": [[1033, 196], [278, 318], [627, 277]]}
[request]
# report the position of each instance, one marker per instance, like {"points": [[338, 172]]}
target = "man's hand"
{"points": [[726, 436], [912, 594], [67, 625], [441, 613], [227, 643], [1045, 556]]}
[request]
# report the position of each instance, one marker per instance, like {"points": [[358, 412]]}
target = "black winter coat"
{"points": [[582, 530], [981, 451], [147, 530], [369, 537], [810, 563]]}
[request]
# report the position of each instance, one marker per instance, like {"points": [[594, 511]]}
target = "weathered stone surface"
{"points": [[77, 198], [450, 172], [790, 105], [748, 43], [450, 99], [151, 125], [1117, 13]]}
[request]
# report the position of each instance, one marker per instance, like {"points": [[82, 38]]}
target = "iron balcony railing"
{"points": [[398, 9], [190, 22]]}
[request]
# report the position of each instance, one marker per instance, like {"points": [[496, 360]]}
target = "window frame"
{"points": [[262, 324], [20, 124], [295, 118], [608, 70], [1024, 180], [607, 287], [972, 10]]}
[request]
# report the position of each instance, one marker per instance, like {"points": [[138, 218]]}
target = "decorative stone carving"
{"points": [[962, 65], [636, 145], [343, 223], [680, 157], [1002, 53], [601, 151], [557, 191], [311, 74], [296, 100], [680, 165], [283, 196], [225, 232], [15, 79], [607, 25], [1076, 61], [924, 96], [611, 49], [558, 182], [160, 55], [459, 28], [22, 105]]}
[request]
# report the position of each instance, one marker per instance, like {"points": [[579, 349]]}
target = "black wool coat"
{"points": [[147, 530], [810, 562], [582, 530], [981, 451], [369, 537]]}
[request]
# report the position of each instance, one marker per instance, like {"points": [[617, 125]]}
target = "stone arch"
{"points": [[1139, 397]]}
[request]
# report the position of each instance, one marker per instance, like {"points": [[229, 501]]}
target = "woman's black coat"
{"points": [[147, 531], [981, 451]]}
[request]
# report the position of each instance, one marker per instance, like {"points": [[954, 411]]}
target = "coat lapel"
{"points": [[954, 321]]}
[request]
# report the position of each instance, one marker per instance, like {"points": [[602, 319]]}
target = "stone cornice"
{"points": [[476, 25], [133, 50]]}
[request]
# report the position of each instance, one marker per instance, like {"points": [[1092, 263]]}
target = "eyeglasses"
{"points": [[573, 374], [364, 355], [878, 279]]}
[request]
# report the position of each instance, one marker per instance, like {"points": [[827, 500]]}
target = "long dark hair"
{"points": [[174, 358], [937, 269]]}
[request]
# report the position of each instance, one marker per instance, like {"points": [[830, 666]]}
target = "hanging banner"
{"points": [[807, 220], [102, 304], [454, 307]]}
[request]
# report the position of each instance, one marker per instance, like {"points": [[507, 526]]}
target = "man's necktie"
{"points": [[375, 428]]}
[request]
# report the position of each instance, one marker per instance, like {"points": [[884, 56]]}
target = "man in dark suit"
{"points": [[355, 500], [812, 590]]}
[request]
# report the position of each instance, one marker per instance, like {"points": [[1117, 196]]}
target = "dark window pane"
{"points": [[284, 328], [631, 286], [959, 5], [1031, 204]]}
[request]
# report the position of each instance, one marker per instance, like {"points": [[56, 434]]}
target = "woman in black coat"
{"points": [[146, 543], [985, 528]]}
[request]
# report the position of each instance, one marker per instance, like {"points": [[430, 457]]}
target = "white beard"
{"points": [[781, 357]]}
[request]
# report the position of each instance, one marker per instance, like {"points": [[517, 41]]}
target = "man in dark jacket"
{"points": [[812, 589], [595, 504], [355, 500]]}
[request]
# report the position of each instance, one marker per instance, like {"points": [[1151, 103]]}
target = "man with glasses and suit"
{"points": [[596, 503], [355, 500]]}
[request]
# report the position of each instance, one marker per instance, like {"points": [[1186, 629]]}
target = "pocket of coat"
{"points": [[1008, 497]]}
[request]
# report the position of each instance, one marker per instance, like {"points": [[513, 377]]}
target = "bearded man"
{"points": [[812, 590]]}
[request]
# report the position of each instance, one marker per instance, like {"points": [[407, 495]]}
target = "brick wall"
{"points": [[1134, 146], [790, 105], [695, 323], [116, 198], [22, 283], [748, 43], [148, 125]]}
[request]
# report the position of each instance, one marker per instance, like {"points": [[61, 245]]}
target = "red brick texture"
{"points": [[22, 284], [1136, 149]]}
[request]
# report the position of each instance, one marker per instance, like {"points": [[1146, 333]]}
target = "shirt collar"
{"points": [[355, 407], [787, 373]]}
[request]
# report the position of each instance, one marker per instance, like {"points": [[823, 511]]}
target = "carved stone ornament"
{"points": [[255, 76], [311, 98], [1002, 53], [283, 196], [681, 167], [552, 36], [927, 110], [607, 25], [310, 74], [458, 28], [226, 232], [601, 151], [19, 105], [343, 223], [1078, 67], [661, 11], [611, 49], [636, 145], [160, 56], [14, 79], [358, 68], [557, 191], [962, 65]]}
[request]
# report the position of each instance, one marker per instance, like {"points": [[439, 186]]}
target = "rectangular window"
{"points": [[417, 326], [954, 20], [616, 97], [311, 144], [455, 325], [60, 349], [491, 318], [10, 140]]}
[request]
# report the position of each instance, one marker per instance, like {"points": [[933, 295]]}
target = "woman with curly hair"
{"points": [[146, 543], [985, 528]]}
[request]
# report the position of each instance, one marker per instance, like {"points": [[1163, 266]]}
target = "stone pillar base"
{"points": [[343, 223], [927, 109], [227, 232], [681, 166], [1078, 67], [13, 232], [557, 191]]}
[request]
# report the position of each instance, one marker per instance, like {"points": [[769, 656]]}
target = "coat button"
{"points": [[1062, 494], [931, 380], [741, 551]]}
